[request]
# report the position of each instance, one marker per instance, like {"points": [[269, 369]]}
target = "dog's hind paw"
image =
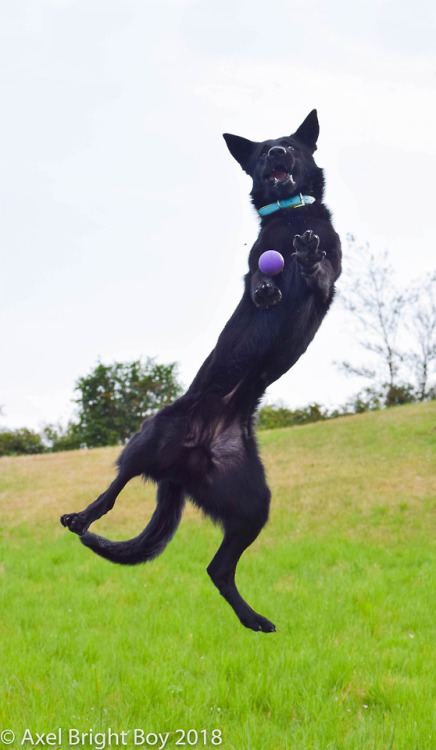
{"points": [[75, 522], [267, 294], [258, 623]]}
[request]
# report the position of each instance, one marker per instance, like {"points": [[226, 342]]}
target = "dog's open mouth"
{"points": [[279, 175]]}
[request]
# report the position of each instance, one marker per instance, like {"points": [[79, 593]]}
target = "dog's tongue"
{"points": [[278, 174]]}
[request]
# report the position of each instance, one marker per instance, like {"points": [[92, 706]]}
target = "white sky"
{"points": [[126, 224]]}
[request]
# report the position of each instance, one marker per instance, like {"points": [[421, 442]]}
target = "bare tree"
{"points": [[370, 294], [421, 323], [396, 327]]}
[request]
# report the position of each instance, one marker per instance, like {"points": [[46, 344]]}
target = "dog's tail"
{"points": [[156, 535]]}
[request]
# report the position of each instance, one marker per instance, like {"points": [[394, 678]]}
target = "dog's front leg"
{"points": [[264, 291], [317, 273]]}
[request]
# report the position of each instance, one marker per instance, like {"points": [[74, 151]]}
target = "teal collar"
{"points": [[298, 200]]}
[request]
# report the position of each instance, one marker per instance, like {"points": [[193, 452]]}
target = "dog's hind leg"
{"points": [[153, 539], [222, 571], [146, 453], [243, 516], [80, 522]]}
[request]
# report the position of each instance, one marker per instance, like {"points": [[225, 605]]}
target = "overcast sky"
{"points": [[125, 222]]}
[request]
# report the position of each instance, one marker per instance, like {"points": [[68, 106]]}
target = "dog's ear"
{"points": [[240, 148], [308, 131]]}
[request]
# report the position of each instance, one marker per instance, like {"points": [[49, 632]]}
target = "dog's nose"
{"points": [[277, 151]]}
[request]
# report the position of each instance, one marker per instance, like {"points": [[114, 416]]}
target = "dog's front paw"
{"points": [[267, 295], [307, 250], [75, 522]]}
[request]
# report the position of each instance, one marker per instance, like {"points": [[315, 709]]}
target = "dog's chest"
{"points": [[279, 235]]}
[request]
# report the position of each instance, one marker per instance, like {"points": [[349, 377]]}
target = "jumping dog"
{"points": [[203, 446]]}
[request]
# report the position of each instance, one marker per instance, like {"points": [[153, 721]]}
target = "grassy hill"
{"points": [[345, 568]]}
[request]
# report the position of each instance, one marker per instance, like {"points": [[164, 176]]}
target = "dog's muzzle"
{"points": [[278, 170]]}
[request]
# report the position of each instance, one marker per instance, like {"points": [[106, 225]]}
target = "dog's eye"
{"points": [[290, 148]]}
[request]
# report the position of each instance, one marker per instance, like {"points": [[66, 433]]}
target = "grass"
{"points": [[345, 568]]}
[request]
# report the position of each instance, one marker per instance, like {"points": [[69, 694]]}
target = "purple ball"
{"points": [[271, 262]]}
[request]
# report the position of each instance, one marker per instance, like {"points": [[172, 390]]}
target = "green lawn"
{"points": [[345, 569]]}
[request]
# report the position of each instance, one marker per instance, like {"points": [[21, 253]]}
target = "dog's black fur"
{"points": [[203, 446]]}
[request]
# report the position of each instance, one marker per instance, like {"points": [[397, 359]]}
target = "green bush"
{"points": [[272, 416], [58, 438], [15, 442]]}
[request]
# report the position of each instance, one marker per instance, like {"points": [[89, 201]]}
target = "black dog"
{"points": [[203, 446]]}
